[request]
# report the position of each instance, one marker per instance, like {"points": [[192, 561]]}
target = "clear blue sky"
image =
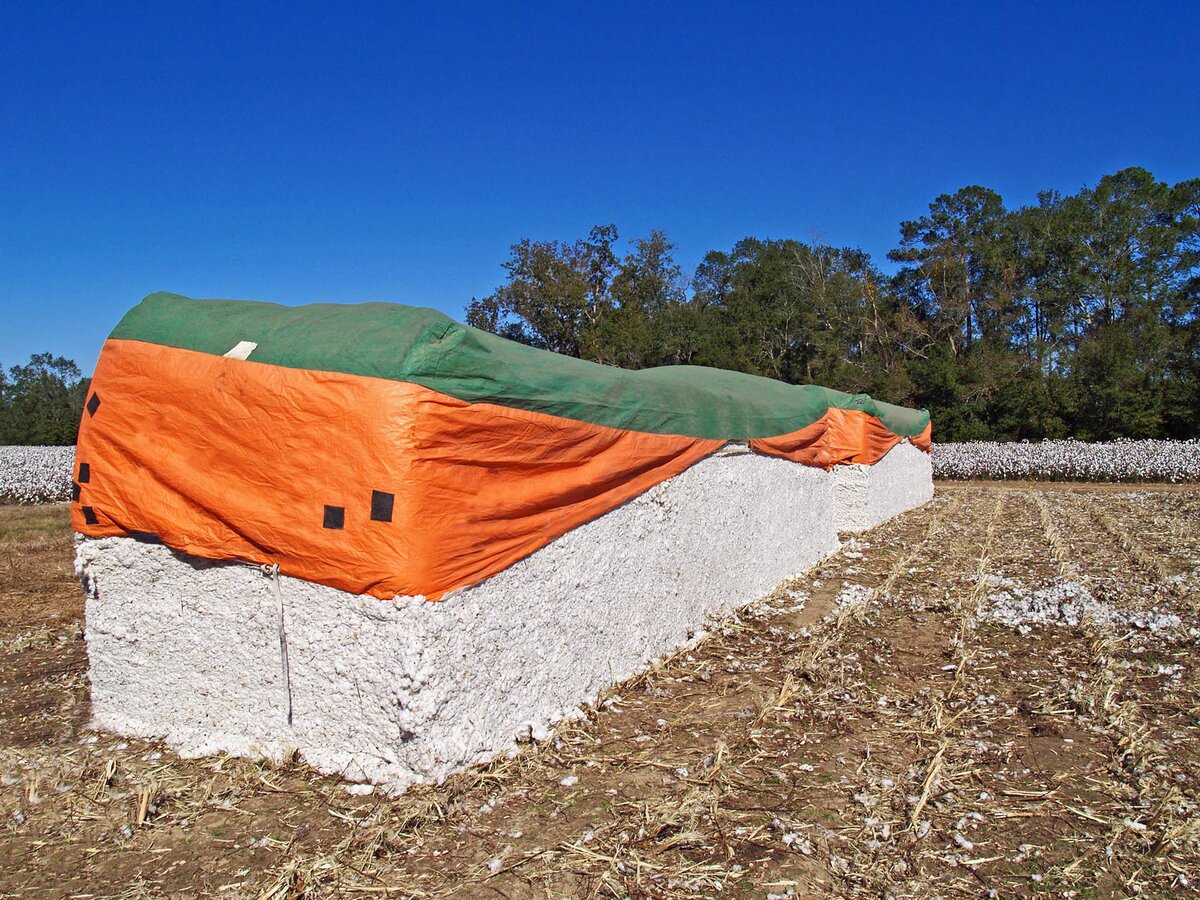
{"points": [[394, 151]]}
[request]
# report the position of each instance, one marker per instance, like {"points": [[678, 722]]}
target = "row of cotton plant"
{"points": [[36, 474], [43, 474], [1070, 460]]}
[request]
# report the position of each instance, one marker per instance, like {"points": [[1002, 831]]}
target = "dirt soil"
{"points": [[995, 695]]}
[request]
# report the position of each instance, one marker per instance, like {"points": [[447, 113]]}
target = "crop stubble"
{"points": [[863, 731]]}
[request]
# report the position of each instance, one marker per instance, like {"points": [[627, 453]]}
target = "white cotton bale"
{"points": [[866, 496], [187, 650]]}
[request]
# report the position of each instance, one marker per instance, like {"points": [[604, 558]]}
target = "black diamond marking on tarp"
{"points": [[74, 492], [93, 404], [381, 506], [85, 473], [335, 517], [89, 516]]}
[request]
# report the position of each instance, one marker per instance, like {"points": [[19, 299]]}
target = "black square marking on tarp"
{"points": [[85, 473], [74, 492], [381, 506], [335, 517], [89, 516], [93, 404]]}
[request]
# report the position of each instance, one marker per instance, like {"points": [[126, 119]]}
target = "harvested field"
{"points": [[997, 692]]}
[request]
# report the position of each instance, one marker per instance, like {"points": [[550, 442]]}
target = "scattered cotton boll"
{"points": [[359, 790], [852, 596], [963, 842], [803, 845], [495, 865], [1064, 603], [570, 781]]}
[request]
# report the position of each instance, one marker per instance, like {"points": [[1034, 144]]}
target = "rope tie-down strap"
{"points": [[272, 571]]}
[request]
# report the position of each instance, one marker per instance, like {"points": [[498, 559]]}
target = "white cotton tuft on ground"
{"points": [[1066, 603], [398, 692], [867, 496]]}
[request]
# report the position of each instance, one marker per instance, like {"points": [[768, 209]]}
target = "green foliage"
{"points": [[1078, 315], [41, 402], [557, 295]]}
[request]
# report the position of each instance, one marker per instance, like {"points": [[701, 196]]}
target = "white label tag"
{"points": [[242, 350]]}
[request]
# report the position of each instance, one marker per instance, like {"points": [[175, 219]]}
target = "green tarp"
{"points": [[425, 347]]}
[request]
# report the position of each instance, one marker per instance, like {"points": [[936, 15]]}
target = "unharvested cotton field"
{"points": [[1069, 460], [35, 474], [43, 474], [994, 695]]}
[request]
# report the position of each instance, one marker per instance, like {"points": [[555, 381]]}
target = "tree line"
{"points": [[1078, 315], [1075, 316], [41, 402]]}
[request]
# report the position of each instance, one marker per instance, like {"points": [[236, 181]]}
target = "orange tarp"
{"points": [[839, 437], [231, 459], [370, 485]]}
